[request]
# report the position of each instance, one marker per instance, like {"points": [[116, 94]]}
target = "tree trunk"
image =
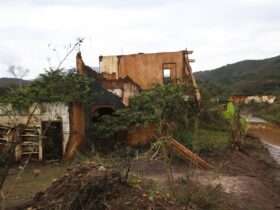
{"points": [[77, 118], [77, 130]]}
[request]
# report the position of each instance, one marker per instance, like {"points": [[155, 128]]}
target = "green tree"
{"points": [[168, 107]]}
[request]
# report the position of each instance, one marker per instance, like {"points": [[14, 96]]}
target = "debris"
{"points": [[87, 187], [101, 168], [187, 154]]}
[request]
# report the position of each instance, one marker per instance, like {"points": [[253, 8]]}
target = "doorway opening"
{"points": [[98, 113], [52, 140], [101, 142]]}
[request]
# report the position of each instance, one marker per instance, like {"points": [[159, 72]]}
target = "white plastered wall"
{"points": [[43, 112]]}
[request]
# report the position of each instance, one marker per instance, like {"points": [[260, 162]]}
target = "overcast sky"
{"points": [[219, 31]]}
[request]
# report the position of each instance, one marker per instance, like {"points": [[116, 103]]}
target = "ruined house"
{"points": [[149, 69], [53, 128], [58, 130], [124, 88], [50, 127], [47, 134], [146, 70]]}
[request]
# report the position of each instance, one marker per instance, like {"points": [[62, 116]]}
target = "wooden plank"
{"points": [[187, 154]]}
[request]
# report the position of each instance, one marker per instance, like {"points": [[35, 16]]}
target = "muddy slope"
{"points": [[250, 179]]}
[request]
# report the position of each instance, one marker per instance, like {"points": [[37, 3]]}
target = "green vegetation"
{"points": [[164, 106], [268, 112], [213, 134], [192, 194], [250, 77], [12, 82], [173, 114], [53, 86], [207, 141], [24, 188]]}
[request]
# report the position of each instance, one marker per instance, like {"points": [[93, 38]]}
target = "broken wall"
{"points": [[146, 70], [110, 63], [130, 90], [123, 88]]}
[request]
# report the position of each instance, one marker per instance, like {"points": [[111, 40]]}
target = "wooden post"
{"points": [[40, 155], [17, 140], [188, 71]]}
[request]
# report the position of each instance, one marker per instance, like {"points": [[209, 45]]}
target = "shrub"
{"points": [[210, 140], [199, 197], [270, 112], [184, 136]]}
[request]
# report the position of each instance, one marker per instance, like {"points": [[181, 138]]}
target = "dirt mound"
{"points": [[92, 187]]}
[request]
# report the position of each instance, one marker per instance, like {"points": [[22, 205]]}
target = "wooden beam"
{"points": [[187, 154]]}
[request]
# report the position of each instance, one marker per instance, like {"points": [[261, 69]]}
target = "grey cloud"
{"points": [[218, 31], [7, 57], [22, 33], [93, 3]]}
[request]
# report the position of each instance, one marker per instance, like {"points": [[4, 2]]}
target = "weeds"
{"points": [[269, 112], [199, 197], [211, 141]]}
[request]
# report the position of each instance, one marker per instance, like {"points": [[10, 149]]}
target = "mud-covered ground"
{"points": [[244, 180], [269, 135], [22, 184], [249, 179]]}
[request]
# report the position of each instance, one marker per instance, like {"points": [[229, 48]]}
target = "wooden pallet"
{"points": [[4, 134], [31, 144]]}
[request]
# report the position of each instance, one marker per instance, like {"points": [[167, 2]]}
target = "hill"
{"points": [[249, 77], [8, 82]]}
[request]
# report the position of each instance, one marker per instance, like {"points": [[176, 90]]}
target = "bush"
{"points": [[270, 112], [200, 197], [184, 136], [210, 140], [213, 119], [165, 107]]}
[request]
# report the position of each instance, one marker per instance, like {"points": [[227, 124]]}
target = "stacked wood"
{"points": [[31, 143]]}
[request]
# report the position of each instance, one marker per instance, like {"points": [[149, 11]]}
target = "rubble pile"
{"points": [[92, 187]]}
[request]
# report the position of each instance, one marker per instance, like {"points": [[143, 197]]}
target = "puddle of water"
{"points": [[274, 151], [266, 133], [252, 119]]}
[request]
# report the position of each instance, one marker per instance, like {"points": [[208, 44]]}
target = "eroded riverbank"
{"points": [[269, 134]]}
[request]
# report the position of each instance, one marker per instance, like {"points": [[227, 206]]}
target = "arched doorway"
{"points": [[100, 140], [98, 112]]}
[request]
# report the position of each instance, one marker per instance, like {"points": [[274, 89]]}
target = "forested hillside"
{"points": [[8, 82], [249, 77]]}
